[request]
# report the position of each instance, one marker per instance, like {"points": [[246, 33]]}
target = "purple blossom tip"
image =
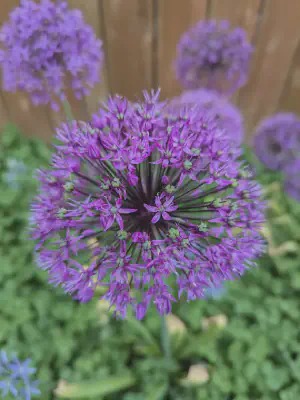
{"points": [[277, 141], [217, 107], [138, 196], [212, 55]]}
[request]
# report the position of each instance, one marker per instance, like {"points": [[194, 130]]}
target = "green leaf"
{"points": [[158, 392], [274, 377], [95, 389], [291, 393], [259, 349], [140, 329], [202, 344]]}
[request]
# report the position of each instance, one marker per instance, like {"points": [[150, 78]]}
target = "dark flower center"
{"points": [[275, 147]]}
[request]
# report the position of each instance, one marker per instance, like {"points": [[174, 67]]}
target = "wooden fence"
{"points": [[140, 38]]}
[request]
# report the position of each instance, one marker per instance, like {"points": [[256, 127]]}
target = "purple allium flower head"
{"points": [[292, 187], [15, 377], [217, 107], [292, 178], [213, 55], [150, 206], [275, 140], [43, 46]]}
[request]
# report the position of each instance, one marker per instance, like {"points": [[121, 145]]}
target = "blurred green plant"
{"points": [[244, 345]]}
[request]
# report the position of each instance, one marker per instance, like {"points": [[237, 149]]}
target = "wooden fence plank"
{"points": [[290, 96], [79, 107], [138, 33], [32, 120], [92, 10], [239, 13], [174, 18], [276, 45], [3, 112], [129, 36]]}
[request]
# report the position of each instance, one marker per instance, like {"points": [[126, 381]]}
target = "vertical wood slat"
{"points": [[174, 18], [275, 48], [129, 40], [3, 112], [79, 107], [129, 27], [240, 14], [290, 96], [91, 11], [32, 120]]}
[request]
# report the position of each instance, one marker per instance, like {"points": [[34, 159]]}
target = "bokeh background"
{"points": [[140, 38], [241, 343]]}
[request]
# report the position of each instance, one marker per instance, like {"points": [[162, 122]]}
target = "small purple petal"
{"points": [[150, 208], [155, 218], [166, 216]]}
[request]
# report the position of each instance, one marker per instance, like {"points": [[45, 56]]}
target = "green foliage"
{"points": [[93, 356], [95, 389]]}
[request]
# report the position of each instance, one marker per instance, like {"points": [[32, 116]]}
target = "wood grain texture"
{"points": [[80, 109], [174, 18], [277, 42], [92, 12], [3, 112], [32, 120], [290, 96], [240, 14], [129, 40], [140, 38]]}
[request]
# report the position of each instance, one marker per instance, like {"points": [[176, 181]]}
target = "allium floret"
{"points": [[217, 107], [213, 55], [143, 215], [277, 141], [43, 46], [292, 178]]}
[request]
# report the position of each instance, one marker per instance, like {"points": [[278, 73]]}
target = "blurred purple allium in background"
{"points": [[219, 108], [150, 206], [275, 140], [15, 377], [213, 55], [292, 178], [46, 45]]}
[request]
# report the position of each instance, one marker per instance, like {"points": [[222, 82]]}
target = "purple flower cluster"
{"points": [[213, 55], [292, 179], [15, 377], [150, 206], [215, 106], [46, 45], [277, 145]]}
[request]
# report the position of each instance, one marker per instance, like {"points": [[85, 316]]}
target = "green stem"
{"points": [[165, 339], [68, 110]]}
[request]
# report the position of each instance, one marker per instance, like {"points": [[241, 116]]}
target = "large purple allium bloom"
{"points": [[15, 377], [213, 55], [225, 114], [148, 206], [275, 140], [43, 46]]}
